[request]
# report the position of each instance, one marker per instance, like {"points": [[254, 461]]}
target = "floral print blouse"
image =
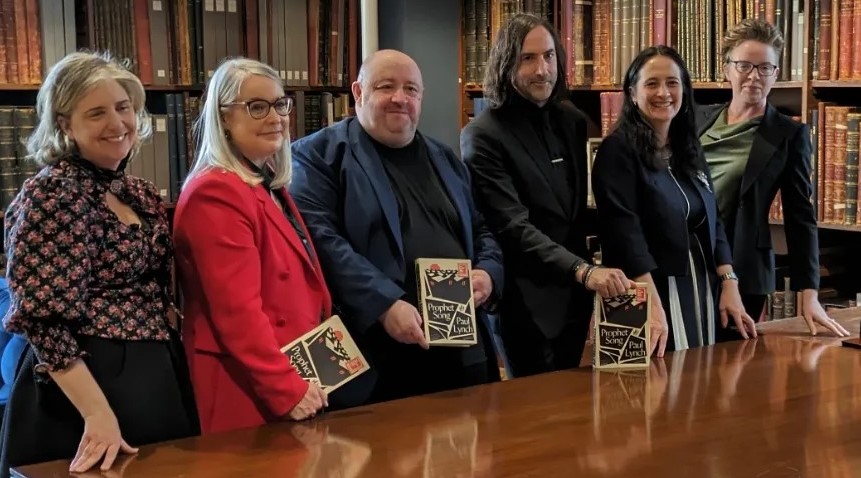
{"points": [[74, 269]]}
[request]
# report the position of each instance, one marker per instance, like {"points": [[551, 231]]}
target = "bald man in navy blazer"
{"points": [[376, 195]]}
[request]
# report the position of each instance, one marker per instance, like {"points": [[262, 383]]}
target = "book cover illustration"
{"points": [[622, 329], [446, 302], [327, 355]]}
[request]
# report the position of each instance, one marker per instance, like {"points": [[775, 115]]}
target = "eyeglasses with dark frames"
{"points": [[764, 69], [259, 109]]}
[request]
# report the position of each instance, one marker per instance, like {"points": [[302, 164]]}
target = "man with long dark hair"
{"points": [[527, 157]]}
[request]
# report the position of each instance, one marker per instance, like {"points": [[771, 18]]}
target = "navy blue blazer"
{"points": [[641, 219], [340, 185], [779, 160]]}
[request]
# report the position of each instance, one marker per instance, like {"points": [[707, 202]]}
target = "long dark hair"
{"points": [[505, 56], [684, 143]]}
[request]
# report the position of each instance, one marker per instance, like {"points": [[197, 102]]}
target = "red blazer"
{"points": [[249, 288]]}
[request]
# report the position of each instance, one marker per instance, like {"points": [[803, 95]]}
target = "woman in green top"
{"points": [[753, 151]]}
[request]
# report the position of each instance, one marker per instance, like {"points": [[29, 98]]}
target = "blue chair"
{"points": [[11, 348]]}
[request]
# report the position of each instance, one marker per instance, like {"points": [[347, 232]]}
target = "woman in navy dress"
{"points": [[657, 214]]}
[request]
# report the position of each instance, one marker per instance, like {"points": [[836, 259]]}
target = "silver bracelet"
{"points": [[587, 276]]}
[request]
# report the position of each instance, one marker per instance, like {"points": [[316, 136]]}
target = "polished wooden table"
{"points": [[785, 405]]}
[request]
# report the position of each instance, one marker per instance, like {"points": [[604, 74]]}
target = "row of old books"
{"points": [[611, 108], [837, 289], [309, 42], [603, 36], [482, 19], [16, 124], [163, 160], [181, 42], [787, 303], [476, 41], [836, 49], [315, 111], [835, 138], [21, 54], [783, 303], [166, 158]]}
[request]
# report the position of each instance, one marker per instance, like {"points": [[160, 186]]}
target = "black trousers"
{"points": [[754, 305], [530, 352], [401, 370], [146, 384]]}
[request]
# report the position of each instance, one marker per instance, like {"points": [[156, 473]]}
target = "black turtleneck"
{"points": [[541, 123], [430, 224]]}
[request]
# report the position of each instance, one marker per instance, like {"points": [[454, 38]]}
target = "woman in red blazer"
{"points": [[250, 278]]}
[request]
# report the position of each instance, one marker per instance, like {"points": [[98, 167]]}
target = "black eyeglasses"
{"points": [[259, 109], [764, 69]]}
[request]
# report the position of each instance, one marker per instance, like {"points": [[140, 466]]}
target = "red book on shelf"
{"points": [[252, 45], [314, 43], [659, 23], [34, 43], [844, 66], [8, 19], [144, 48], [20, 41]]}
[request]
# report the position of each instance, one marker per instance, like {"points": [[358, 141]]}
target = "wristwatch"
{"points": [[729, 276]]}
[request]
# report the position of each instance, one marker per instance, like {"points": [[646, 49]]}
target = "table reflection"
{"points": [[329, 455], [782, 405], [447, 448]]}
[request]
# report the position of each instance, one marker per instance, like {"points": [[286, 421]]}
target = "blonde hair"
{"points": [[215, 149], [67, 81], [752, 29]]}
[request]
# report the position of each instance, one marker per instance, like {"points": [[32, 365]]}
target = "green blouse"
{"points": [[726, 149]]}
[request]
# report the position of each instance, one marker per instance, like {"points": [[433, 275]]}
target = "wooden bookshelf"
{"points": [[477, 89], [822, 225], [796, 92], [13, 87], [723, 85], [835, 84], [197, 88], [172, 51]]}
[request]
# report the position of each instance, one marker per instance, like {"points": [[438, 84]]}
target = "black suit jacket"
{"points": [[641, 216], [532, 210], [779, 160]]}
